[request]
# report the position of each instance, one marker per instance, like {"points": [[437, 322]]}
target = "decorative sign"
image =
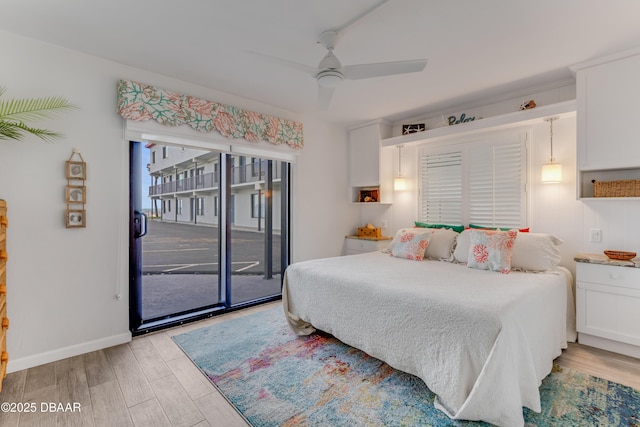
{"points": [[418, 127], [453, 120], [528, 105]]}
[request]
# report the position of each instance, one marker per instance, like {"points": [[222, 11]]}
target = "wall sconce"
{"points": [[552, 171], [400, 183]]}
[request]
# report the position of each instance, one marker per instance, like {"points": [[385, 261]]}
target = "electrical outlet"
{"points": [[596, 235]]}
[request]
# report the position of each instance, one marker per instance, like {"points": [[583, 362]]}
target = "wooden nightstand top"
{"points": [[377, 239]]}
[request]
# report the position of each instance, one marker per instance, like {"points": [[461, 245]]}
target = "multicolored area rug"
{"points": [[275, 378]]}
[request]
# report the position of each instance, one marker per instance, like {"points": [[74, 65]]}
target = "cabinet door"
{"points": [[608, 111], [608, 302], [364, 156]]}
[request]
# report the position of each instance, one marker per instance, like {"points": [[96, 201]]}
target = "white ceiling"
{"points": [[477, 49]]}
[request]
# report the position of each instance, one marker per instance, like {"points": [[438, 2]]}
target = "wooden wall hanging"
{"points": [[76, 194]]}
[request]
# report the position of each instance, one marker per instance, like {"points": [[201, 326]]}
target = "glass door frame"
{"points": [[137, 229]]}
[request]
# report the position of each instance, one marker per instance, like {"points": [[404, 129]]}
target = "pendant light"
{"points": [[552, 171], [400, 183]]}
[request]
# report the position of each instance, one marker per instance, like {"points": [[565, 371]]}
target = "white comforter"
{"points": [[482, 341]]}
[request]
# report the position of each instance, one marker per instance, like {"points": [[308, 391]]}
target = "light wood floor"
{"points": [[150, 382]]}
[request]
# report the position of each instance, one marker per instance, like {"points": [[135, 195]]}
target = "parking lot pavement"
{"points": [[180, 266], [179, 248], [165, 294]]}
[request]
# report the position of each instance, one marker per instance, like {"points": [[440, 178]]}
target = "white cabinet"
{"points": [[355, 245], [608, 307], [608, 142], [370, 167], [608, 110]]}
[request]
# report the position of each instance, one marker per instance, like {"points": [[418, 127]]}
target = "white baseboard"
{"points": [[609, 345], [63, 353]]}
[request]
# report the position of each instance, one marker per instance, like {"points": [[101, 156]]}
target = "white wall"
{"points": [[321, 214], [62, 283]]}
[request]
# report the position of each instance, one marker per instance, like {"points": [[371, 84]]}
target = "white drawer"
{"points": [[362, 245], [628, 277]]}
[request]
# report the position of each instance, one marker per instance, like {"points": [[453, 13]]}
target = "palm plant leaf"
{"points": [[17, 130], [32, 109], [14, 113], [9, 131]]}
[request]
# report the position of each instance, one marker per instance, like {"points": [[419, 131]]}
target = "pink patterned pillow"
{"points": [[491, 249], [410, 244]]}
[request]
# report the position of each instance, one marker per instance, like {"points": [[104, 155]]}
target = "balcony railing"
{"points": [[246, 174]]}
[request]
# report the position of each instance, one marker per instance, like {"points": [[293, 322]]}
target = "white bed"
{"points": [[482, 341]]}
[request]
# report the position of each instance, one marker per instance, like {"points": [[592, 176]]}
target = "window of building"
{"points": [[179, 206], [200, 206], [200, 177], [255, 166], [215, 206], [257, 205], [480, 182], [165, 152], [153, 157]]}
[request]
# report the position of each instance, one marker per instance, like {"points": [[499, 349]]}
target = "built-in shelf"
{"points": [[504, 121], [359, 193], [585, 184]]}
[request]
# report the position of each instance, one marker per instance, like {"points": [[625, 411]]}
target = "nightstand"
{"points": [[608, 303], [358, 245]]}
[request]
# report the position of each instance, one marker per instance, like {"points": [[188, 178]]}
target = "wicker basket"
{"points": [[625, 188]]}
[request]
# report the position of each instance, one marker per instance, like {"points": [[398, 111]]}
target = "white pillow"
{"points": [[530, 252], [399, 233], [461, 252], [441, 244], [491, 249], [535, 252], [410, 244]]}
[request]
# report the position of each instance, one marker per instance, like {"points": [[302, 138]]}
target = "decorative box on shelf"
{"points": [[371, 232]]}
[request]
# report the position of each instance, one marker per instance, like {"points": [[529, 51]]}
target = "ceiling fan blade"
{"points": [[366, 71], [324, 96], [312, 71]]}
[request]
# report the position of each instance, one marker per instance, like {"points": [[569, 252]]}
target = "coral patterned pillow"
{"points": [[410, 244], [491, 249]]}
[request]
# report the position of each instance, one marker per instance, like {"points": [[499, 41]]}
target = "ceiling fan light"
{"points": [[329, 79]]}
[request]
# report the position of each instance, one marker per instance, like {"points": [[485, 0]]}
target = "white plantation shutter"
{"points": [[478, 182], [496, 185], [441, 187]]}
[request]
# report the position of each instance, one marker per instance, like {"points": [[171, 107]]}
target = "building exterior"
{"points": [[185, 187]]}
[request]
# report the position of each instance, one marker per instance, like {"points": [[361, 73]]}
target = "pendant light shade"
{"points": [[552, 171], [400, 183]]}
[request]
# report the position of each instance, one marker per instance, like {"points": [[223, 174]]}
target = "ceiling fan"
{"points": [[330, 72]]}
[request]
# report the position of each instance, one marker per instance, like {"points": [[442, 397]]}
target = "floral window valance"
{"points": [[140, 102]]}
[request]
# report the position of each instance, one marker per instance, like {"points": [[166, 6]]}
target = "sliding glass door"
{"points": [[256, 237], [209, 232]]}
